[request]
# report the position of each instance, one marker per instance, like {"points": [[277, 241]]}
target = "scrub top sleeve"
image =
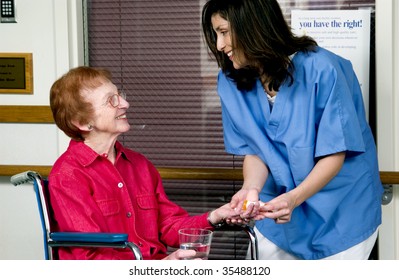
{"points": [[233, 142], [339, 127]]}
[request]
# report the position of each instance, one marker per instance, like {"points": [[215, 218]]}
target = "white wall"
{"points": [[52, 32], [387, 51]]}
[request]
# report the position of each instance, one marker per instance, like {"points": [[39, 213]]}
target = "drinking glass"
{"points": [[196, 239]]}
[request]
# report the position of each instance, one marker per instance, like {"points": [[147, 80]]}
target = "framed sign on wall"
{"points": [[16, 73]]}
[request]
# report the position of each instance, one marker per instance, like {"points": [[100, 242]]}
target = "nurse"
{"points": [[295, 112]]}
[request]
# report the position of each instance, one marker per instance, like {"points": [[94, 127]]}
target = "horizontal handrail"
{"points": [[200, 173], [10, 170], [25, 114], [172, 173]]}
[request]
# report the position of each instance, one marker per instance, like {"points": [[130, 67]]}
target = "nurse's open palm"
{"points": [[279, 209], [237, 203]]}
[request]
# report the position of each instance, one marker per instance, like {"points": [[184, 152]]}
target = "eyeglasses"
{"points": [[114, 99]]}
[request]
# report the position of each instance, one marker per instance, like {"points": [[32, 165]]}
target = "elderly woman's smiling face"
{"points": [[109, 118]]}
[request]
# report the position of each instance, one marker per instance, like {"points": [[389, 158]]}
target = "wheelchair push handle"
{"points": [[24, 177]]}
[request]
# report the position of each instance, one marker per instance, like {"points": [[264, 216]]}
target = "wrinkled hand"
{"points": [[223, 213], [181, 254], [280, 209]]}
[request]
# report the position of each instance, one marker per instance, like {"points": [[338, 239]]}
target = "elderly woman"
{"points": [[98, 185]]}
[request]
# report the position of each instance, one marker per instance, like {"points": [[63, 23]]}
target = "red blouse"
{"points": [[90, 194]]}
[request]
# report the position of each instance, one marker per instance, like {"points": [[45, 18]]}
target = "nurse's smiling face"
{"points": [[224, 41]]}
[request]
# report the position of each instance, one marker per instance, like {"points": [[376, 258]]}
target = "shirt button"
{"points": [[140, 244], [120, 185], [128, 214]]}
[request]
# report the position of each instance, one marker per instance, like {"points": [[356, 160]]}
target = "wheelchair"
{"points": [[68, 239], [94, 240]]}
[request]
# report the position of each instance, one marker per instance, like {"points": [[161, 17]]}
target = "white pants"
{"points": [[269, 251]]}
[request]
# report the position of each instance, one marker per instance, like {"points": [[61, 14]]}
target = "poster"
{"points": [[344, 32]]}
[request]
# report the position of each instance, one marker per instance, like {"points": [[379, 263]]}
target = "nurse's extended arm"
{"points": [[281, 207], [255, 173]]}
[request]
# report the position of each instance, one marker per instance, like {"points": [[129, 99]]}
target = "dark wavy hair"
{"points": [[259, 31]]}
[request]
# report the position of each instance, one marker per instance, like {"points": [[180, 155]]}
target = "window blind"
{"points": [[155, 50]]}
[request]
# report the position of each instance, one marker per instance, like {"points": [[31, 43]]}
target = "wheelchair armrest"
{"points": [[93, 239], [88, 237]]}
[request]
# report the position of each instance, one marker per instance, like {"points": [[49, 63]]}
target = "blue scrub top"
{"points": [[321, 113]]}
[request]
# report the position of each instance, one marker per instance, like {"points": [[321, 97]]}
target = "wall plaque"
{"points": [[16, 73]]}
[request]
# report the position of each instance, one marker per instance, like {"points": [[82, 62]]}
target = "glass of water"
{"points": [[196, 239]]}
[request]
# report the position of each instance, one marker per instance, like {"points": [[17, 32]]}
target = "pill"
{"points": [[247, 203]]}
